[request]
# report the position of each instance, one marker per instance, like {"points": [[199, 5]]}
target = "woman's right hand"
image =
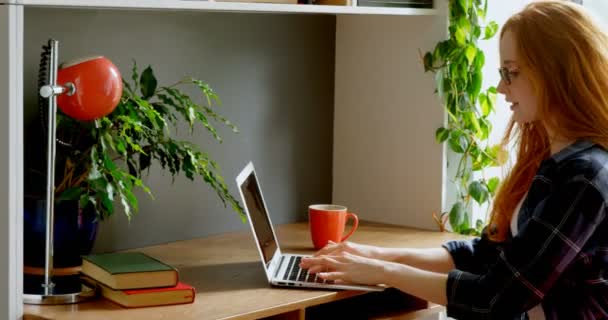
{"points": [[334, 249]]}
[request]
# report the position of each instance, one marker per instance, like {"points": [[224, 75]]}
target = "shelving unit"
{"points": [[196, 5], [385, 112]]}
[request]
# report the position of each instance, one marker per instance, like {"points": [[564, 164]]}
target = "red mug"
{"points": [[327, 222], [98, 87]]}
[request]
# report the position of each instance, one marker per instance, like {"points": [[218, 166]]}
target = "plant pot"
{"points": [[74, 234]]}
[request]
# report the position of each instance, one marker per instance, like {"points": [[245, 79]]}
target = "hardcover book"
{"points": [[129, 270], [179, 294]]}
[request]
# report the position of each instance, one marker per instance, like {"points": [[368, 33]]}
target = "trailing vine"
{"points": [[457, 64]]}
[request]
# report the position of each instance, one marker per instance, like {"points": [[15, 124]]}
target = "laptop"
{"points": [[281, 269]]}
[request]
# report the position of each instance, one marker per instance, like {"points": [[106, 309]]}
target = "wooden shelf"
{"points": [[196, 5]]}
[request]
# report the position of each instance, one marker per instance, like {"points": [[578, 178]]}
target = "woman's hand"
{"points": [[335, 249], [347, 268]]}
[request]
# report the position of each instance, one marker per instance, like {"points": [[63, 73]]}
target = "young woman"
{"points": [[545, 250]]}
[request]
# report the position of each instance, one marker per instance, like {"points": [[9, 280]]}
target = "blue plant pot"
{"points": [[74, 235]]}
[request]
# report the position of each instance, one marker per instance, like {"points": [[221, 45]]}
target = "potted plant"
{"points": [[104, 160], [457, 63], [100, 163]]}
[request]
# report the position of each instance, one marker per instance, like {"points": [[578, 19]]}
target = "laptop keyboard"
{"points": [[295, 273]]}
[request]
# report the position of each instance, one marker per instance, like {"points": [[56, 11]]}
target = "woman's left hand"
{"points": [[347, 268]]}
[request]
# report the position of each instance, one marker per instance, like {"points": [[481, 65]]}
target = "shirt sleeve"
{"points": [[473, 255], [542, 250]]}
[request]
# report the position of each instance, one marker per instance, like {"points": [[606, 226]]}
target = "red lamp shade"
{"points": [[98, 88]]}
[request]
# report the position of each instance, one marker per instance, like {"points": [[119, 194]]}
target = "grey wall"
{"points": [[274, 74]]}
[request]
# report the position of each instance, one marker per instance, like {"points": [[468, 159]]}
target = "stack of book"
{"points": [[134, 279]]}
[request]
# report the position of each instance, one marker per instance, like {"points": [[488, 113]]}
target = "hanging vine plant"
{"points": [[457, 63]]}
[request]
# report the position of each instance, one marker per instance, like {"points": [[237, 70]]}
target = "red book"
{"points": [[179, 294]]}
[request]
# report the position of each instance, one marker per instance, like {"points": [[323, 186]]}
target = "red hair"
{"points": [[565, 55]]}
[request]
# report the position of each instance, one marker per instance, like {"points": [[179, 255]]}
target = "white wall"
{"points": [[387, 166]]}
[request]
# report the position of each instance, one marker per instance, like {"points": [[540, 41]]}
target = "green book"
{"points": [[129, 270]]}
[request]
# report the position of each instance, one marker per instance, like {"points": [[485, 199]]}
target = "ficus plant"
{"points": [[457, 63], [102, 162]]}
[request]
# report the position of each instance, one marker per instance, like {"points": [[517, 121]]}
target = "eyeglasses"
{"points": [[506, 75]]}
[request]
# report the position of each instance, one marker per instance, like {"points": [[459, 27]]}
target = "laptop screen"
{"points": [[259, 217]]}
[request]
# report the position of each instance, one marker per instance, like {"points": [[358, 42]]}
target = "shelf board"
{"points": [[196, 5]]}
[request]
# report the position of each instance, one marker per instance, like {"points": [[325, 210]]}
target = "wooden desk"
{"points": [[229, 279]]}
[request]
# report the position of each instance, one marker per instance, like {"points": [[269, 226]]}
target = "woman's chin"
{"points": [[518, 120]]}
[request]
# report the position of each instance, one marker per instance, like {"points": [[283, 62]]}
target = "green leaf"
{"points": [[107, 139], [440, 52], [498, 154], [148, 83], [479, 225], [486, 127], [480, 60], [470, 53], [442, 134], [472, 119], [120, 147], [108, 163], [476, 32], [490, 30], [464, 23], [481, 14], [458, 141], [457, 215], [492, 185], [70, 194], [466, 223], [461, 36], [94, 172], [464, 4], [470, 231], [479, 191], [428, 62], [221, 119], [106, 203], [475, 87], [491, 92], [110, 191], [84, 200], [484, 104], [126, 206]]}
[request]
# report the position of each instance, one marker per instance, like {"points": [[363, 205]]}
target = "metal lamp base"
{"points": [[85, 293]]}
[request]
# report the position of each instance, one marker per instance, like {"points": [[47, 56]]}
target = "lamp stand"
{"points": [[48, 293]]}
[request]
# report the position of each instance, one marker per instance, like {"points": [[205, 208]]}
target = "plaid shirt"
{"points": [[558, 257]]}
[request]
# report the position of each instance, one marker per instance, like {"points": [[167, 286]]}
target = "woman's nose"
{"points": [[502, 87]]}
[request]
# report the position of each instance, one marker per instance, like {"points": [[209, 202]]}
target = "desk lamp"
{"points": [[85, 89]]}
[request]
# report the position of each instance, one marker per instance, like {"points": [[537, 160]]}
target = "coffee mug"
{"points": [[327, 222]]}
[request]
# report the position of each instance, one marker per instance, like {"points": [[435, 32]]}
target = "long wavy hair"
{"points": [[565, 55]]}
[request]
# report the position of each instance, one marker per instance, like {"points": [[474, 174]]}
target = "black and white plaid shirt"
{"points": [[558, 257]]}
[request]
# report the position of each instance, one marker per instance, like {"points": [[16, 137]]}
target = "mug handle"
{"points": [[355, 224]]}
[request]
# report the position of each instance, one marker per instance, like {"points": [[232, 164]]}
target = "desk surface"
{"points": [[229, 279]]}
